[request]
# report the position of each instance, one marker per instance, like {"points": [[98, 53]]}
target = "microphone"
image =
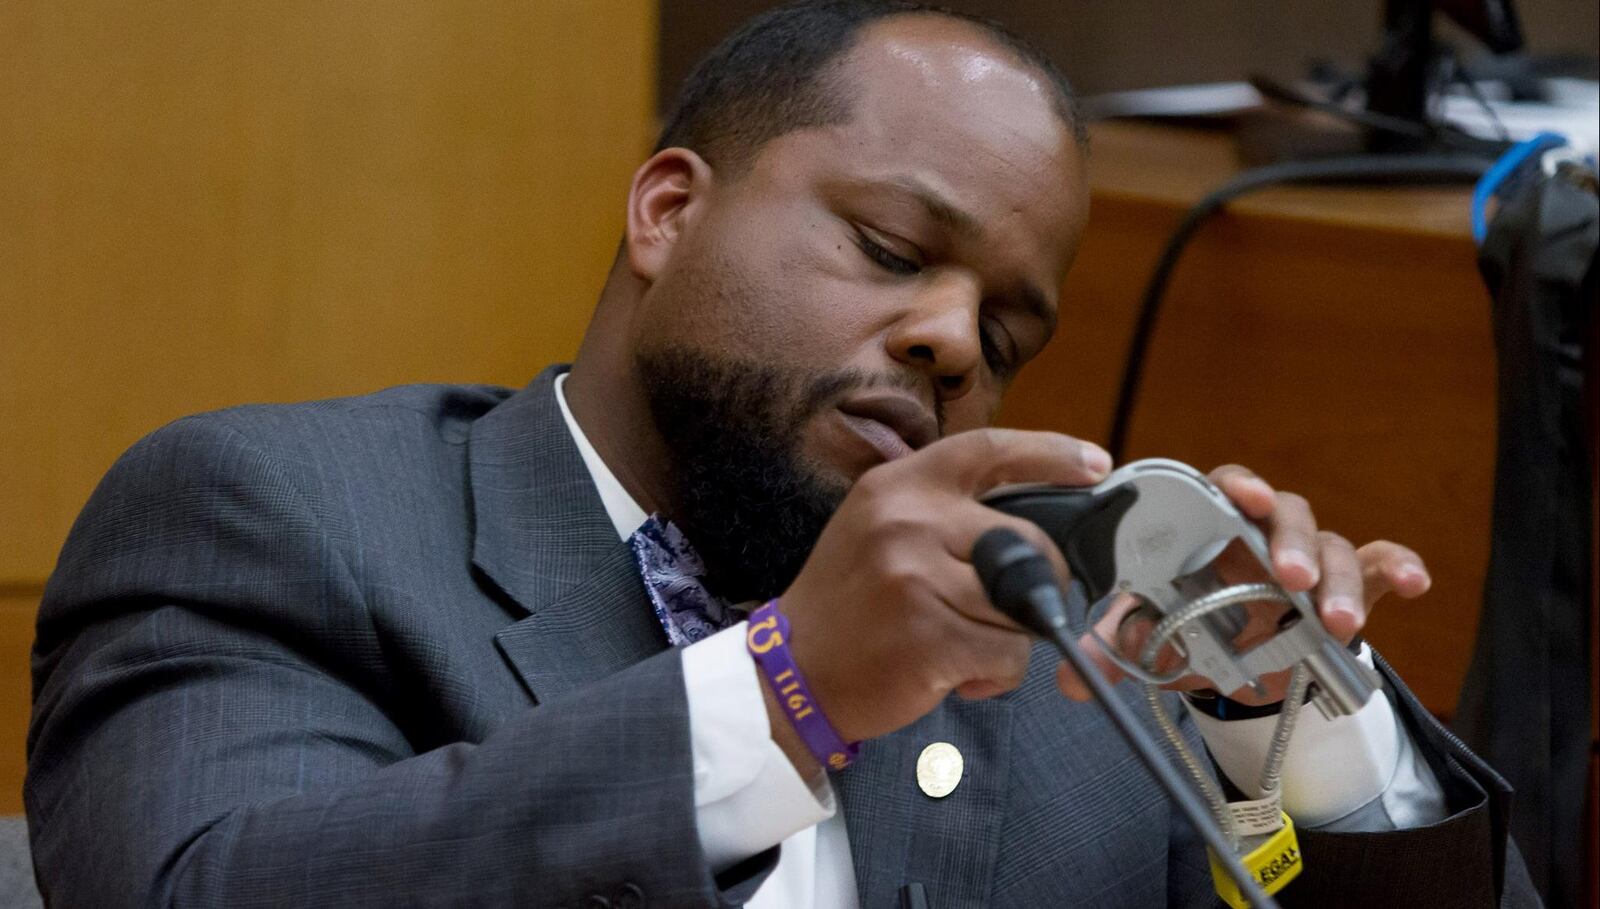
{"points": [[1021, 583]]}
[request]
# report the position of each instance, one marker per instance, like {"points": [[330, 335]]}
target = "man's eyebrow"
{"points": [[937, 206]]}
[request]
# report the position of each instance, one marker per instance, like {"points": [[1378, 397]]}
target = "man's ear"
{"points": [[668, 190]]}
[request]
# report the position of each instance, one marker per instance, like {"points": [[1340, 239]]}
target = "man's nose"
{"points": [[939, 335]]}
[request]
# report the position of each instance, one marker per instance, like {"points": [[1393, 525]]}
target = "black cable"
{"points": [[1292, 95], [1021, 583], [1352, 169], [1458, 76], [1434, 133]]}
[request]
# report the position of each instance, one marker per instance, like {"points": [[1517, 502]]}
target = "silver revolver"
{"points": [[1152, 529]]}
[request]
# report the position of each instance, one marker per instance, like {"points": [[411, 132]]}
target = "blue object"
{"points": [[1503, 168]]}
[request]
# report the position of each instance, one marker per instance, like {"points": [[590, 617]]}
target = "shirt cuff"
{"points": [[1356, 772], [748, 796]]}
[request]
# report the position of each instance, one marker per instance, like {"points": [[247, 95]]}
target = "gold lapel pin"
{"points": [[939, 769]]}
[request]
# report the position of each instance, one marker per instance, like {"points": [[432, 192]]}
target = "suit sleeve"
{"points": [[213, 727]]}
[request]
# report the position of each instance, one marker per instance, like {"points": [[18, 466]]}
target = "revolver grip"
{"points": [[1082, 524]]}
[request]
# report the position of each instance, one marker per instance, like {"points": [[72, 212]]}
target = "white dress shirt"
{"points": [[1359, 772]]}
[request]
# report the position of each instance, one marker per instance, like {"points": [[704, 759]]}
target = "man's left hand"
{"points": [[1344, 581]]}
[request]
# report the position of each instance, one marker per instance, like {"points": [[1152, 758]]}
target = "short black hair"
{"points": [[772, 76]]}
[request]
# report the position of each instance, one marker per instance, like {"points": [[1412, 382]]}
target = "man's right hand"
{"points": [[888, 615]]}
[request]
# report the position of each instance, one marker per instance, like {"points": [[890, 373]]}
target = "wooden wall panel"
{"points": [[207, 204]]}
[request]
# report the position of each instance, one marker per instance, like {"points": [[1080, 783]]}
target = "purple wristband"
{"points": [[768, 641]]}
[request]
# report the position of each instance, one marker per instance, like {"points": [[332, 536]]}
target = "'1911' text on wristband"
{"points": [[768, 640]]}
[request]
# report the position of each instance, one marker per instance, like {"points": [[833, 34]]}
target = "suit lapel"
{"points": [[899, 835], [542, 537]]}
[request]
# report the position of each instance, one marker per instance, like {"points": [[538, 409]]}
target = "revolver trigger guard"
{"points": [[1133, 669]]}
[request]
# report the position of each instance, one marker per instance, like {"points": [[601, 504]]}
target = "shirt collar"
{"points": [[624, 512]]}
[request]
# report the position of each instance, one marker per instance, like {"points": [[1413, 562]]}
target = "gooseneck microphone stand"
{"points": [[1022, 584]]}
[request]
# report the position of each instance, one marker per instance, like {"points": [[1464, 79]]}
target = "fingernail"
{"points": [[1411, 574], [1298, 559], [1097, 459], [1340, 605]]}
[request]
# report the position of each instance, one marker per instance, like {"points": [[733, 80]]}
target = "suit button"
{"points": [[630, 897], [596, 901]]}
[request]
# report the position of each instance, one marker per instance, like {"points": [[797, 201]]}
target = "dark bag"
{"points": [[1526, 700]]}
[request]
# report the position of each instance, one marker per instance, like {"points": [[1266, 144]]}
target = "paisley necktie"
{"points": [[673, 576]]}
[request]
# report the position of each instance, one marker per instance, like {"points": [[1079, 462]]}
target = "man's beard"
{"points": [[741, 492]]}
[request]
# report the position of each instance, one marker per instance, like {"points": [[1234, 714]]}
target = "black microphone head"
{"points": [[1012, 570]]}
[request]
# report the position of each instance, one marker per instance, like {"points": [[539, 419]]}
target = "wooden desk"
{"points": [[1336, 340]]}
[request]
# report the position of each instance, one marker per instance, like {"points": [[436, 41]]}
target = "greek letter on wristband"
{"points": [[768, 642]]}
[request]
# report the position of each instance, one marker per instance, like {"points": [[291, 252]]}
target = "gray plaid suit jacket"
{"points": [[388, 651]]}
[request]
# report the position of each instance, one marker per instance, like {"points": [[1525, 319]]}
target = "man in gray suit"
{"points": [[418, 647]]}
